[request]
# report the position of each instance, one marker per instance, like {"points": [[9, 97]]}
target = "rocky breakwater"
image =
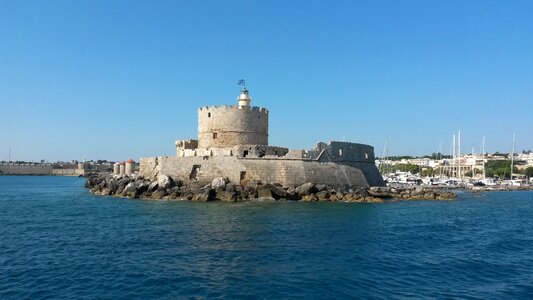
{"points": [[223, 190]]}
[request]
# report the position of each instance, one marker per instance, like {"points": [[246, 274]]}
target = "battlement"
{"points": [[260, 151], [186, 144], [217, 108]]}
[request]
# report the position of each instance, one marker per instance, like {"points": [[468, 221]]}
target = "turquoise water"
{"points": [[58, 241]]}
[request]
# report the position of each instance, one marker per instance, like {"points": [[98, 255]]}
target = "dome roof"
{"points": [[130, 161]]}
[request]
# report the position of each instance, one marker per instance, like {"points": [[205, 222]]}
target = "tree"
{"points": [[427, 172]]}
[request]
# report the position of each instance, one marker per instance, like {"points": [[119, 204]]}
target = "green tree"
{"points": [[427, 172], [500, 168]]}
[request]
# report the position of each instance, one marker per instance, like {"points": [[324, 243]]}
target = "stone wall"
{"points": [[39, 170], [228, 126], [26, 169], [285, 171]]}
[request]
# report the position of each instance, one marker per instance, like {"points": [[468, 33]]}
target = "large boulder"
{"points": [[306, 189], [320, 187], [165, 182], [205, 196], [219, 182], [379, 191], [159, 193], [225, 195], [271, 191], [142, 186], [153, 186], [278, 192], [292, 194], [130, 190], [322, 195]]}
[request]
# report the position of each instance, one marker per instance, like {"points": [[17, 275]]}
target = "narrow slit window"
{"points": [[215, 135]]}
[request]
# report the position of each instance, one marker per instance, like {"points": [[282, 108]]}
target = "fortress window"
{"points": [[209, 115], [259, 117], [340, 152], [215, 135], [366, 155]]}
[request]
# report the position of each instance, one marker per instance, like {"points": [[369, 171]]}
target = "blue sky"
{"points": [[119, 79]]}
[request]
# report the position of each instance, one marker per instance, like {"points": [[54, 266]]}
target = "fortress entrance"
{"points": [[194, 172], [243, 180]]}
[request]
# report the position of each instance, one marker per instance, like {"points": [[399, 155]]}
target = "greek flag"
{"points": [[241, 82]]}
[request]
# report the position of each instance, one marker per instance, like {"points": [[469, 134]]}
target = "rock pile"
{"points": [[224, 190]]}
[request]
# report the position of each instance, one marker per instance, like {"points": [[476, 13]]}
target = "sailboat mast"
{"points": [[453, 156], [512, 157], [439, 157], [459, 153], [483, 156]]}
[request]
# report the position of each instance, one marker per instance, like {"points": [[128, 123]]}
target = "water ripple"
{"points": [[58, 241]]}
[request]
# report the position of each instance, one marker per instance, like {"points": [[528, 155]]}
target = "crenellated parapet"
{"points": [[219, 108]]}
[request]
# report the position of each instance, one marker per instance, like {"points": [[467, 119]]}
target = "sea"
{"points": [[57, 241]]}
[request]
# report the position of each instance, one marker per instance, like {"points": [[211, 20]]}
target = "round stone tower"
{"points": [[229, 126]]}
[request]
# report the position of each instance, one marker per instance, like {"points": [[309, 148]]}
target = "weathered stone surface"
{"points": [[309, 198], [306, 189], [264, 191], [219, 182], [205, 196], [130, 190], [165, 181], [159, 193], [292, 194], [278, 192], [176, 194], [333, 197], [322, 195], [225, 195], [153, 186], [320, 187], [378, 191]]}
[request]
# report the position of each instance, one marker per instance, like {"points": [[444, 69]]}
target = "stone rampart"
{"points": [[228, 126], [26, 169], [241, 170]]}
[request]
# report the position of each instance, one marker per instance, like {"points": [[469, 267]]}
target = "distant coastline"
{"points": [[51, 169]]}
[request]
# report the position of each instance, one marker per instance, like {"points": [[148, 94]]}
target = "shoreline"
{"points": [[221, 189], [488, 188]]}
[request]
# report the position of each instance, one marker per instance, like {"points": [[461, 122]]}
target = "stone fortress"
{"points": [[233, 143]]}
